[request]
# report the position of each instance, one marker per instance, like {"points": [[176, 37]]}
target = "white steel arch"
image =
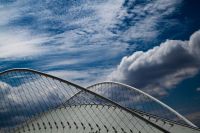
{"points": [[76, 109], [149, 96], [23, 85]]}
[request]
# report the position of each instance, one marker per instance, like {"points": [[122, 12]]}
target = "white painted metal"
{"points": [[151, 97]]}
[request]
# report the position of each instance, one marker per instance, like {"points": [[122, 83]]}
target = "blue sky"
{"points": [[150, 44]]}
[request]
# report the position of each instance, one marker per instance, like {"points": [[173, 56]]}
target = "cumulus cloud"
{"points": [[161, 67]]}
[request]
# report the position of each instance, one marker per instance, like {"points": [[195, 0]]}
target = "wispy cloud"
{"points": [[85, 33], [82, 77], [198, 89], [7, 14], [20, 44], [140, 19]]}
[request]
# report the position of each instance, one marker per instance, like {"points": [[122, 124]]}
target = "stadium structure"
{"points": [[35, 102]]}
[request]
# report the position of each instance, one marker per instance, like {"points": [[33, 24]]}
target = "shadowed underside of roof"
{"points": [[32, 101]]}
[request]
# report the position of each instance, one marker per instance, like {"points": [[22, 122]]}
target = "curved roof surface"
{"points": [[33, 101]]}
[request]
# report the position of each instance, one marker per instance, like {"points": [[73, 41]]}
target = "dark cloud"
{"points": [[162, 67]]}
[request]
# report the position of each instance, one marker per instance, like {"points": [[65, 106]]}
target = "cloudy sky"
{"points": [[153, 45]]}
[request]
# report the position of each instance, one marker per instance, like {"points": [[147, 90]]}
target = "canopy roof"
{"points": [[33, 101]]}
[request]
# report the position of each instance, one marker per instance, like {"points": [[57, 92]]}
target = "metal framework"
{"points": [[35, 102], [127, 92]]}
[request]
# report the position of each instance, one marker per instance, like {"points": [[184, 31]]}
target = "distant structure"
{"points": [[35, 102]]}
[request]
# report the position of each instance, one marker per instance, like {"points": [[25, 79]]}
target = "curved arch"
{"points": [[27, 78], [147, 95]]}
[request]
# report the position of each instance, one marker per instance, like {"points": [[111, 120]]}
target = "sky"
{"points": [[153, 45]]}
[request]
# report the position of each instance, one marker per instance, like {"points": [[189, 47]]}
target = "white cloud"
{"points": [[70, 75], [82, 77], [198, 89], [97, 20], [108, 11], [7, 14], [93, 18], [89, 37], [144, 18], [20, 44], [162, 67]]}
